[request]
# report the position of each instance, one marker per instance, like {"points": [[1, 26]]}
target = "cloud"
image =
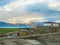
{"points": [[55, 5], [42, 8], [15, 12], [24, 19], [17, 4], [30, 10]]}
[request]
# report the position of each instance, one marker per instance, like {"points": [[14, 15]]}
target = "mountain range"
{"points": [[19, 24], [4, 24]]}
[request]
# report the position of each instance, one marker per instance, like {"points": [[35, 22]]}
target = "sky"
{"points": [[26, 11]]}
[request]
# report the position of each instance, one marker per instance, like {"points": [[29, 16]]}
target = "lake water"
{"points": [[14, 27]]}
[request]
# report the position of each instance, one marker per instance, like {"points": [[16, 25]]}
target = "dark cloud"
{"points": [[42, 8]]}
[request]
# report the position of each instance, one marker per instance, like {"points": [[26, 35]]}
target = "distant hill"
{"points": [[42, 23], [11, 25], [23, 25], [3, 23], [38, 23]]}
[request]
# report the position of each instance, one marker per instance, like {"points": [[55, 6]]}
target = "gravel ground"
{"points": [[43, 40]]}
